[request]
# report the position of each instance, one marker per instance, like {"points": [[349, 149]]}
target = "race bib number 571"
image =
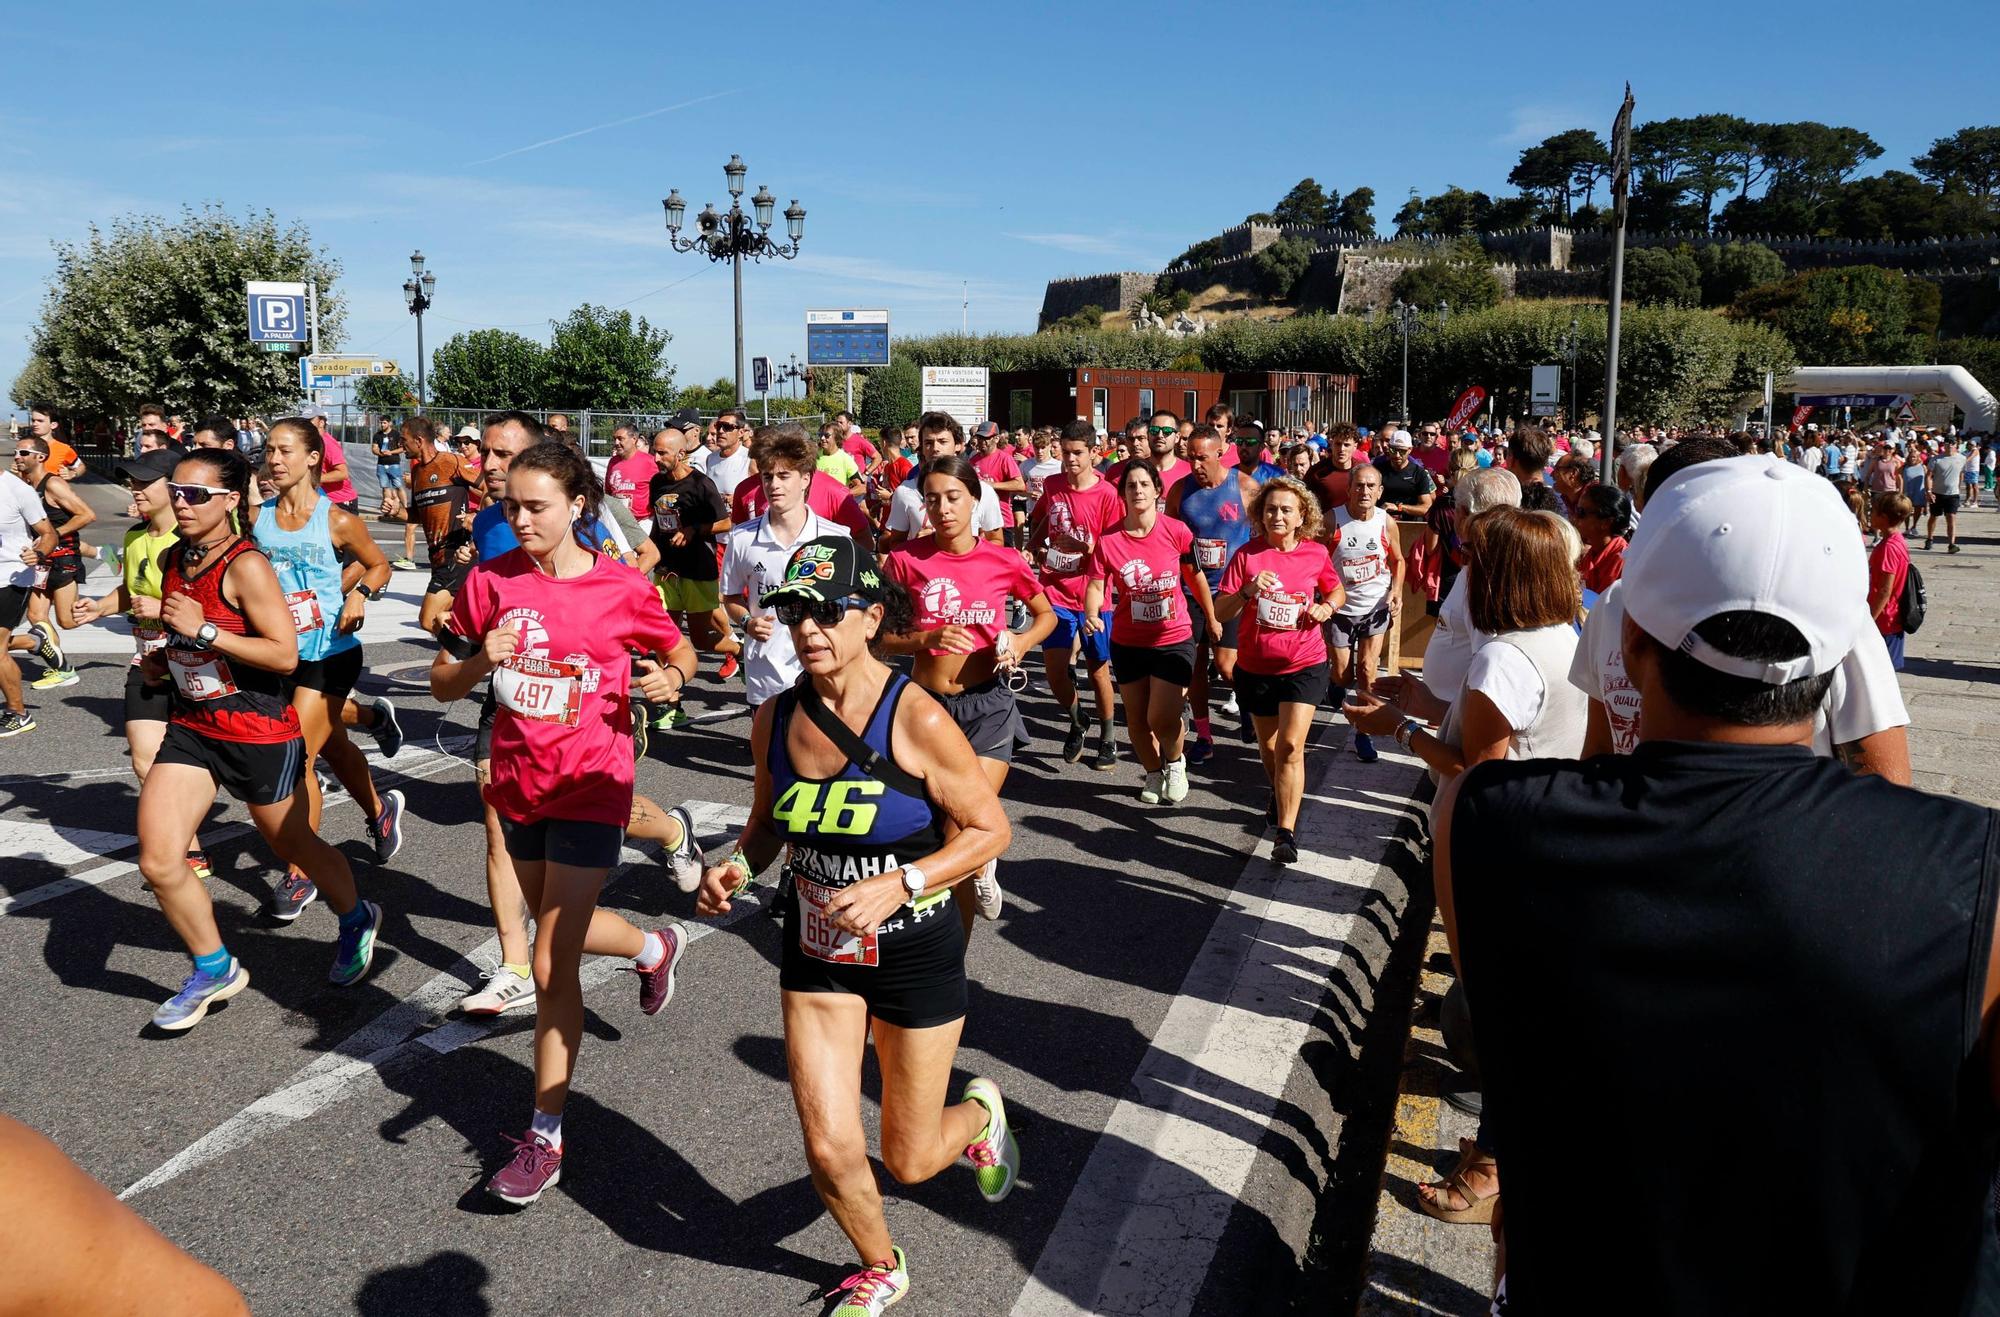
{"points": [[538, 688]]}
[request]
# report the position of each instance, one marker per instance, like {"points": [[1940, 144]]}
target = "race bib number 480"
{"points": [[820, 939], [1153, 610], [539, 688]]}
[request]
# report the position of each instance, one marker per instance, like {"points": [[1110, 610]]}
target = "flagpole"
{"points": [[1621, 182]]}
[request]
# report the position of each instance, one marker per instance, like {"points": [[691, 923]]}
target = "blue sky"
{"points": [[991, 147]]}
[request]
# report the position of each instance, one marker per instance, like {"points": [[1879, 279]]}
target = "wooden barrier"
{"points": [[1410, 632]]}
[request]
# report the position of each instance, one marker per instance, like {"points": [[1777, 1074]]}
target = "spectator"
{"points": [[1945, 476], [387, 443], [1574, 474], [1432, 453], [1407, 489], [1888, 568], [1529, 451], [1449, 652], [1604, 523], [1694, 935]]}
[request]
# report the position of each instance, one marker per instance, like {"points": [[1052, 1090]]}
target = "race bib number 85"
{"points": [[539, 688]]}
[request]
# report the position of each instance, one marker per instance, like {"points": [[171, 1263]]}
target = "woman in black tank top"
{"points": [[857, 753]]}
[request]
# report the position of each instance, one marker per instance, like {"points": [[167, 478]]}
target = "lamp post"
{"points": [[791, 374], [732, 235], [1403, 318], [1570, 346], [418, 290]]}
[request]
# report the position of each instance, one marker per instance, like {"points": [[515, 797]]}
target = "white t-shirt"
{"points": [[1361, 554], [1864, 698], [1036, 472], [727, 472], [907, 515], [20, 509], [1448, 653], [1506, 676], [753, 562]]}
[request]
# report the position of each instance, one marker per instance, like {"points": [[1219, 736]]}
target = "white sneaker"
{"points": [[684, 862], [1175, 787], [1229, 706], [1149, 794], [986, 890], [504, 991]]}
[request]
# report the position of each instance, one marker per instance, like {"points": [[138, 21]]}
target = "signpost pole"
{"points": [[850, 390], [1621, 180], [312, 313]]}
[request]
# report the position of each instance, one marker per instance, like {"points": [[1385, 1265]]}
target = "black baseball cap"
{"points": [[828, 568], [985, 430], [686, 417], [148, 467]]}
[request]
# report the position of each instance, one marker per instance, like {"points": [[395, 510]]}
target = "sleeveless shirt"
{"points": [[1220, 523], [308, 568], [224, 700], [66, 545]]}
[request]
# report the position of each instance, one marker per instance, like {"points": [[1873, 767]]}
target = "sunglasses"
{"points": [[823, 612], [194, 495], [1162, 429], [26, 452], [728, 425]]}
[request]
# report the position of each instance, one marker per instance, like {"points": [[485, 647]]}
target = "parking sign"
{"points": [[277, 312], [760, 374]]}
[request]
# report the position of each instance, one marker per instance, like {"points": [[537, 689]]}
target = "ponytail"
{"points": [[233, 473]]}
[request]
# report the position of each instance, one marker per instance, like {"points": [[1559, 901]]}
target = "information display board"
{"points": [[847, 338]]}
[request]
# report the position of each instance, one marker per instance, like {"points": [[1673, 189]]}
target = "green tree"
{"points": [[1307, 205], [384, 394], [1200, 256], [894, 395], [1090, 316], [1464, 285], [1281, 266], [607, 361], [1969, 160], [489, 368], [1448, 214], [708, 398], [1662, 276], [1357, 212], [1565, 168], [1850, 315], [154, 310], [1730, 269]]}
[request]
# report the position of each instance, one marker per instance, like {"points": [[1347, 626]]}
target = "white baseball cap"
{"points": [[1749, 534]]}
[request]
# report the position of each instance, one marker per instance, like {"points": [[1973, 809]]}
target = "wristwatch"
{"points": [[206, 633], [913, 881], [363, 590], [1407, 732]]}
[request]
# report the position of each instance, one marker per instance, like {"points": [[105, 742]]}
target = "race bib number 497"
{"points": [[541, 689]]}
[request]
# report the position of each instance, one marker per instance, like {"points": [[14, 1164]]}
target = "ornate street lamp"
{"points": [[734, 235], [418, 291]]}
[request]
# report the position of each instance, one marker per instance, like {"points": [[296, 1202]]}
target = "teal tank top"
{"points": [[308, 570]]}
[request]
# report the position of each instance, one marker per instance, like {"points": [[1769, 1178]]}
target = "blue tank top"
{"points": [[308, 568], [1220, 523], [492, 536]]}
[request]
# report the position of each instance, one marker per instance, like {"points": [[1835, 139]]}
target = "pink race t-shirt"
{"points": [[333, 456], [1274, 637], [631, 479], [562, 739], [997, 466], [1146, 571], [968, 590], [825, 496], [1073, 520], [858, 448]]}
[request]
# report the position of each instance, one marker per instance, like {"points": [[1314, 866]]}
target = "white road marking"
{"points": [[393, 1038], [1141, 1226], [59, 844]]}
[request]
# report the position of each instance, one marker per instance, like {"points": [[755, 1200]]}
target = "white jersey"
{"points": [[20, 509], [907, 515], [726, 473], [752, 562], [1361, 553]]}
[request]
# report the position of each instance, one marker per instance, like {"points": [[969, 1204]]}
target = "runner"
{"points": [[387, 444], [561, 775], [1213, 502], [938, 435], [1282, 585], [867, 949], [727, 462], [1152, 639], [137, 596], [333, 481], [437, 498], [1246, 451], [1001, 472], [688, 514], [25, 535], [629, 474], [1077, 506], [1370, 560], [57, 572], [826, 496], [230, 645], [959, 586], [308, 540], [754, 560]]}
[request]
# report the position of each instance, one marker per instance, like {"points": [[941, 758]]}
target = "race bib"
{"points": [[1210, 554], [1277, 614], [539, 688], [667, 521], [41, 576], [1059, 563], [305, 611], [819, 938], [1153, 610], [150, 634], [200, 674]]}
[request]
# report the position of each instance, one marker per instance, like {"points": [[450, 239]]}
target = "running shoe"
{"points": [[1175, 787], [48, 647], [1106, 757], [198, 992], [197, 862], [388, 829], [1200, 750], [1364, 748], [355, 951], [53, 678], [13, 724], [1149, 791], [730, 667], [656, 985], [387, 731], [504, 991], [1285, 850], [1079, 730], [986, 891], [672, 716], [684, 861], [295, 892], [872, 1291], [642, 736], [535, 1168], [996, 1157], [402, 564], [1229, 706]]}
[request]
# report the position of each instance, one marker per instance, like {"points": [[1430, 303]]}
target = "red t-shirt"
{"points": [[969, 590], [631, 479], [1074, 520], [825, 496], [1890, 558], [562, 741], [1433, 459], [1600, 567], [1274, 636], [1146, 572]]}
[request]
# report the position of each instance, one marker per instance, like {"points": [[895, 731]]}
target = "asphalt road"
{"points": [[324, 1147]]}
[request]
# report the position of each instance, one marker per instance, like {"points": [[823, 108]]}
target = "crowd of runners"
{"points": [[880, 600]]}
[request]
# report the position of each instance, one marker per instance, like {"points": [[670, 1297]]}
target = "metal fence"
{"points": [[593, 429]]}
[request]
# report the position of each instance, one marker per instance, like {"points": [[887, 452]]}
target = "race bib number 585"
{"points": [[538, 688]]}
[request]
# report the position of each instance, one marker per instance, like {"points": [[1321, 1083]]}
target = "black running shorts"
{"points": [[144, 703], [1261, 695], [333, 675], [1173, 664], [920, 983], [255, 774]]}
